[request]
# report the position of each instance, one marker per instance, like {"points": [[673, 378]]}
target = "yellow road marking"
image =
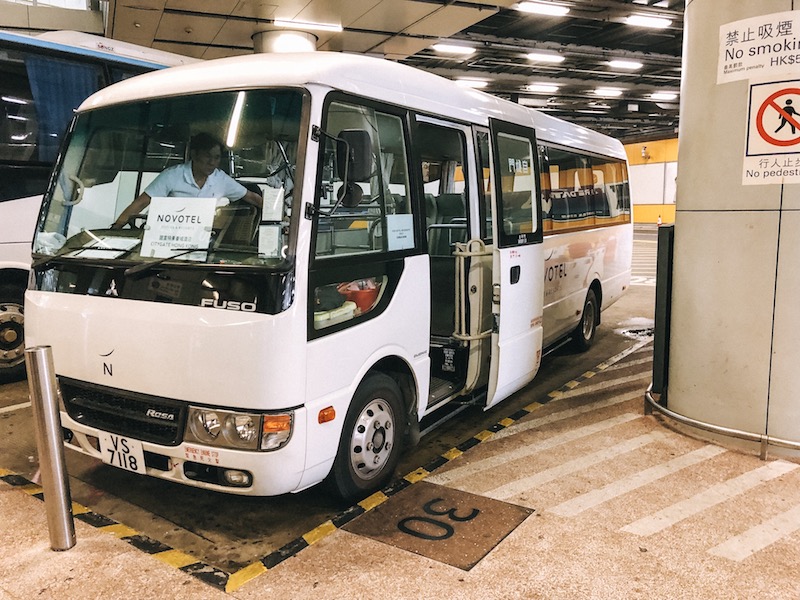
{"points": [[371, 502], [417, 475], [452, 453], [242, 576], [316, 534], [119, 530], [175, 558]]}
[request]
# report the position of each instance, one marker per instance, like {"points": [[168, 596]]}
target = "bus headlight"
{"points": [[238, 430], [205, 425]]}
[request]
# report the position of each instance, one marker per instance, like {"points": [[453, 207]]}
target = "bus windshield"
{"points": [[201, 179]]}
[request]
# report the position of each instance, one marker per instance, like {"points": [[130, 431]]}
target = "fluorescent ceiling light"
{"points": [[472, 83], [663, 96], [535, 102], [303, 25], [293, 41], [608, 92], [14, 100], [541, 57], [542, 88], [454, 49], [543, 8], [233, 127], [645, 21], [625, 64]]}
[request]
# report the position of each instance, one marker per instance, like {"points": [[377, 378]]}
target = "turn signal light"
{"points": [[275, 431], [326, 415], [277, 423]]}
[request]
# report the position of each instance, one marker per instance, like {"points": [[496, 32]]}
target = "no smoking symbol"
{"points": [[787, 117]]}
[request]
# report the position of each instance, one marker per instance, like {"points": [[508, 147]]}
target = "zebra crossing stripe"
{"points": [[713, 496], [603, 385], [562, 415], [759, 537], [8, 409], [574, 507], [527, 450], [524, 484]]}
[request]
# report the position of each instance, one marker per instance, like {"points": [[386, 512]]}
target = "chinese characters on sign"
{"points": [[177, 224], [758, 47]]}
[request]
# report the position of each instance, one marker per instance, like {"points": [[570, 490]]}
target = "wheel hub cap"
{"points": [[372, 440], [12, 340]]}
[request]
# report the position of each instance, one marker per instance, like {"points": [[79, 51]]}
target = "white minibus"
{"points": [[412, 243]]}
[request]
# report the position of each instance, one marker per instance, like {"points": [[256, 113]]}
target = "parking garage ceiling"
{"points": [[499, 36]]}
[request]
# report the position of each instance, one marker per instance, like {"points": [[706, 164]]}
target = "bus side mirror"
{"points": [[356, 146]]}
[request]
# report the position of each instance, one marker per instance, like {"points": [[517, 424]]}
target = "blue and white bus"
{"points": [[43, 79], [417, 244]]}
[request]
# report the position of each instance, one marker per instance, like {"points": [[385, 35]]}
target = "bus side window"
{"points": [[39, 96], [372, 216], [579, 191], [515, 158], [611, 193], [572, 190], [378, 215]]}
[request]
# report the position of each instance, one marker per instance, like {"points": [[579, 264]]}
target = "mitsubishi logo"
{"points": [[112, 289]]}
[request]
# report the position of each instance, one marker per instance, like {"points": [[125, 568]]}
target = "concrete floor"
{"points": [[618, 505]]}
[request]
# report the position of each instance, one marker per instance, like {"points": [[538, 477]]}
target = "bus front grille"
{"points": [[147, 418]]}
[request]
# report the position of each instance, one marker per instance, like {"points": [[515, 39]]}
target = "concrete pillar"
{"points": [[284, 41], [735, 335]]}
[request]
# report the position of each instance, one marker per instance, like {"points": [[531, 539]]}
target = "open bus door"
{"points": [[517, 263]]}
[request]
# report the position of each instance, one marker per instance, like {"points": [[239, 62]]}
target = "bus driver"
{"points": [[200, 177]]}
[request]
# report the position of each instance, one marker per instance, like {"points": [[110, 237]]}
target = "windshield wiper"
{"points": [[141, 268]]}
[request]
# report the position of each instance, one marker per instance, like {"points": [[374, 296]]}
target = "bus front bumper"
{"points": [[249, 473]]}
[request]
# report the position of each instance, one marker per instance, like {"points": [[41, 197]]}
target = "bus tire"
{"points": [[12, 338], [583, 335], [371, 439]]}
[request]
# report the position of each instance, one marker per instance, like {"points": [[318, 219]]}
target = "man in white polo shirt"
{"points": [[198, 178]]}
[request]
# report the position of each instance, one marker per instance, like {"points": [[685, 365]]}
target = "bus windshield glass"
{"points": [[200, 179]]}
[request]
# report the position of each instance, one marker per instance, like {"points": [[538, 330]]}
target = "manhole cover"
{"points": [[446, 525]]}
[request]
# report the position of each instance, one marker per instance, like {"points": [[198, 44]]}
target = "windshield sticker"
{"points": [[400, 229], [269, 240], [273, 203], [176, 225]]}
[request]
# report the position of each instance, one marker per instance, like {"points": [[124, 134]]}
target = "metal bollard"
{"points": [[44, 399]]}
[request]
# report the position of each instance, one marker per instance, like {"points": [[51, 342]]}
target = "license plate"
{"points": [[122, 452]]}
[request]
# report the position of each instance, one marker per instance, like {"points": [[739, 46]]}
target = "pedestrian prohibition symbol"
{"points": [[778, 108]]}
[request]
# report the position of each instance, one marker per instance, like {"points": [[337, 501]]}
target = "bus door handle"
{"points": [[515, 270]]}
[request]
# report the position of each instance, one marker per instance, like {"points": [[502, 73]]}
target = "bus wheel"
{"points": [[583, 336], [12, 339], [371, 439]]}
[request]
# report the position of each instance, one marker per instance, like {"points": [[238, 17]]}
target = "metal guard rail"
{"points": [[763, 440]]}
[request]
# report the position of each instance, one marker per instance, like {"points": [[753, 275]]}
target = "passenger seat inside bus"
{"points": [[450, 225]]}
